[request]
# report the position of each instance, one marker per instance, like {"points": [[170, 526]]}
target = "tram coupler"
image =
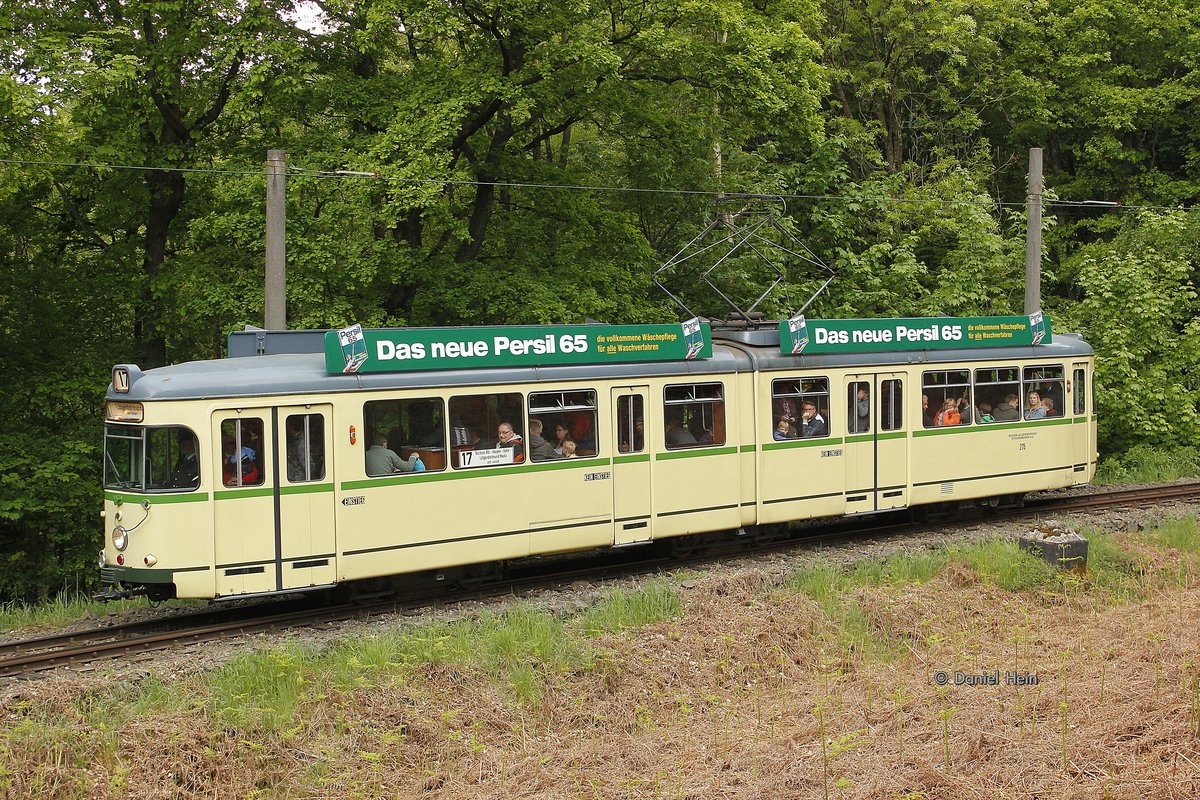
{"points": [[120, 594]]}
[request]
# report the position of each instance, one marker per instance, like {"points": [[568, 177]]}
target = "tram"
{"points": [[310, 459]]}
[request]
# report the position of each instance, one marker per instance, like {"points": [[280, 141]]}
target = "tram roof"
{"points": [[291, 364]]}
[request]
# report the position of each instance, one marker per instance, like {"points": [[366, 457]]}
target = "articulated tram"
{"points": [[310, 459]]}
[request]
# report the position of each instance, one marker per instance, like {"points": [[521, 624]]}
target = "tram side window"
{"points": [[305, 447], [242, 452], [949, 395], [399, 432], [172, 459], [694, 415], [858, 407], [493, 426], [631, 426], [562, 425], [891, 405], [799, 408], [1080, 393], [998, 394], [1044, 394]]}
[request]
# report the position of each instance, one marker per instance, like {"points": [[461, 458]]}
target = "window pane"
{"points": [[631, 432], [122, 457], [790, 397], [998, 393], [484, 417], [1079, 389], [1044, 392], [946, 398], [694, 415], [241, 452], [562, 425], [404, 436], [305, 447], [891, 405], [858, 407]]}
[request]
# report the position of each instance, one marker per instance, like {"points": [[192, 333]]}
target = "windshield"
{"points": [[150, 459]]}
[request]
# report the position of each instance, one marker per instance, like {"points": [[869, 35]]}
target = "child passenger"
{"points": [[568, 448]]}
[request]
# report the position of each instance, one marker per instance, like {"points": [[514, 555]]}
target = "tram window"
{"points": [[998, 394], [788, 398], [242, 452], [563, 416], [406, 427], [481, 417], [1080, 394], [858, 407], [151, 459], [694, 415], [1044, 392], [949, 395], [891, 405], [631, 430], [305, 447]]}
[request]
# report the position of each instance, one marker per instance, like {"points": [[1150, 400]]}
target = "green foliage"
{"points": [[1145, 463], [1001, 562], [648, 603]]}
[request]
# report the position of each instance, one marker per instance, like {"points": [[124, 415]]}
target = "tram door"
{"points": [[633, 520], [307, 545], [1081, 432], [244, 502], [876, 444]]}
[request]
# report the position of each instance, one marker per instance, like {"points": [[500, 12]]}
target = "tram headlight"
{"points": [[120, 537]]}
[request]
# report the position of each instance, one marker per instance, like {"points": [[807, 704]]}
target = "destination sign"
{"points": [[356, 349], [804, 336]]}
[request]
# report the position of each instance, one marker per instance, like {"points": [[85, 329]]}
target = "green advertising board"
{"points": [[813, 336], [356, 349]]}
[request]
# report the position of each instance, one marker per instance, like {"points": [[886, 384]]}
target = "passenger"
{"points": [[964, 408], [382, 461], [639, 435], [295, 449], [561, 434], [1048, 404], [949, 414], [247, 458], [1007, 410], [783, 430], [569, 449], [1035, 409], [812, 424], [511, 440], [985, 413], [927, 412], [677, 435], [539, 448], [861, 422], [186, 474]]}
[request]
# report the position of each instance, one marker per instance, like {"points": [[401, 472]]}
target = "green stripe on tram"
{"points": [[307, 488], [1010, 426], [824, 441], [156, 499], [749, 448], [446, 475], [239, 494], [643, 458]]}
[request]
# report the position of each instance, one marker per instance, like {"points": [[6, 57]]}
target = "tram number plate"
{"points": [[831, 453], [597, 476], [354, 501]]}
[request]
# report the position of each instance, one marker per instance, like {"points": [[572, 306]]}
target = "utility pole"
{"points": [[1033, 235], [275, 295]]}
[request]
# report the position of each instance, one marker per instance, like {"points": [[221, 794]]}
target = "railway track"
{"points": [[88, 647]]}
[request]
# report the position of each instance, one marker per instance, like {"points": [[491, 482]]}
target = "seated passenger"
{"points": [[783, 430], [569, 449], [382, 461], [561, 434], [949, 414], [926, 412], [676, 434], [1048, 404], [1007, 410], [964, 409], [812, 424], [512, 440], [539, 448], [985, 413], [247, 458], [1035, 409]]}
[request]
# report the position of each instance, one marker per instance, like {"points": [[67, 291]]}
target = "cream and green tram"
{"points": [[280, 469]]}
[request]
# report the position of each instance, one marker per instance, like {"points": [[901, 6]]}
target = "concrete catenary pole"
{"points": [[275, 301], [1033, 234]]}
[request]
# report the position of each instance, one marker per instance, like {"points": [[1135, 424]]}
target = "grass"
{"points": [[1147, 464], [60, 611]]}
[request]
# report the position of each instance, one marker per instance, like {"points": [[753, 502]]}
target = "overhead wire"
{"points": [[301, 172]]}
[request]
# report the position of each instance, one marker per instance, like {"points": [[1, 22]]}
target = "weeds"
{"points": [[1147, 464]]}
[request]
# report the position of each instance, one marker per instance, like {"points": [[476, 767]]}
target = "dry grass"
{"points": [[721, 702]]}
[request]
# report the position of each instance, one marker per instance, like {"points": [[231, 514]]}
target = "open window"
{"points": [[566, 420], [800, 408], [694, 415]]}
